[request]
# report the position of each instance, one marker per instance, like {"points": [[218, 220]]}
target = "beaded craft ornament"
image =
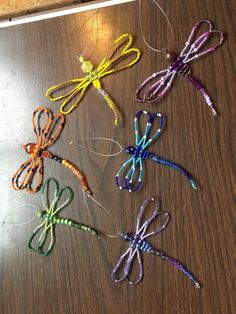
{"points": [[138, 243], [51, 219], [46, 136], [159, 83], [94, 75], [129, 177]]}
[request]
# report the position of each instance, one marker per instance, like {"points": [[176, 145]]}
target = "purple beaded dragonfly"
{"points": [[193, 50], [138, 243]]}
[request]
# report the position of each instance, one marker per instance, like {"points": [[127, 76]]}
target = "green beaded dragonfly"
{"points": [[51, 218]]}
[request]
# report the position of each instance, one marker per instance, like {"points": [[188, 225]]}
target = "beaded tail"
{"points": [[76, 172], [175, 166], [178, 265], [80, 226], [110, 103], [207, 97], [107, 98]]}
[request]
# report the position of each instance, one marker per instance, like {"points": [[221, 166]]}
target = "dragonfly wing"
{"points": [[129, 176], [120, 55], [41, 120], [147, 138], [141, 213], [194, 47], [39, 237], [19, 178], [47, 127], [24, 177], [36, 171], [119, 265], [164, 218], [125, 264], [152, 89], [61, 201], [49, 184], [77, 89], [142, 227], [50, 135], [136, 257]]}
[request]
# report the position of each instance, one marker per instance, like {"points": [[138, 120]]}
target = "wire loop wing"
{"points": [[53, 207], [16, 183], [142, 229], [142, 210], [45, 191], [78, 90], [125, 263], [24, 178], [155, 86], [51, 129], [129, 176], [40, 242], [165, 215], [146, 139], [140, 265], [116, 54], [69, 196], [193, 47], [38, 115]]}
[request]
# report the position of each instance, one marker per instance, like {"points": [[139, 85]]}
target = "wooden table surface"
{"points": [[76, 276]]}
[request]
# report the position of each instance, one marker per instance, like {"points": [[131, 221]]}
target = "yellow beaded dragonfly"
{"points": [[93, 76]]}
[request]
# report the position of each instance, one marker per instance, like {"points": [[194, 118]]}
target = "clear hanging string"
{"points": [[6, 191], [81, 54], [162, 50], [104, 208], [103, 155], [99, 139], [5, 222]]}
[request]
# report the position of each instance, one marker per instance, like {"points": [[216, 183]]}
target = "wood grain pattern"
{"points": [[75, 278]]}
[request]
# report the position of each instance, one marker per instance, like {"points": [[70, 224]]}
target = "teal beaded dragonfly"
{"points": [[129, 177], [51, 219]]}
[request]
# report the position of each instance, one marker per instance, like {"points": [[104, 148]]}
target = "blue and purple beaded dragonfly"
{"points": [[129, 177], [138, 243]]}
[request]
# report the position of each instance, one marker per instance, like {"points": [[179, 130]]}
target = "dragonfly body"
{"points": [[138, 243], [129, 177], [53, 219], [50, 218], [36, 151], [180, 67], [138, 152]]}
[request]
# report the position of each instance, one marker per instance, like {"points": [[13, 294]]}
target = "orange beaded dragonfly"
{"points": [[33, 167]]}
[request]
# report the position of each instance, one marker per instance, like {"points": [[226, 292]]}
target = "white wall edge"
{"points": [[60, 12]]}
